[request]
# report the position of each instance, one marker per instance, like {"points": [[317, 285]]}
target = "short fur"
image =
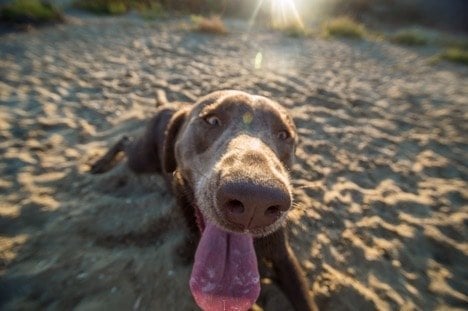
{"points": [[225, 136]]}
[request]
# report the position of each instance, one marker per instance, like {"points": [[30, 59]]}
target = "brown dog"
{"points": [[227, 158]]}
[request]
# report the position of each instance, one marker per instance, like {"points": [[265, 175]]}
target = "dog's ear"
{"points": [[172, 129]]}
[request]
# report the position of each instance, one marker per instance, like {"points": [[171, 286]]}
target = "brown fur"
{"points": [[224, 138]]}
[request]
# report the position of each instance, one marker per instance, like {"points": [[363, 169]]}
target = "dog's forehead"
{"points": [[241, 102]]}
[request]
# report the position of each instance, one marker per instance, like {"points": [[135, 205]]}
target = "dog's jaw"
{"points": [[225, 272]]}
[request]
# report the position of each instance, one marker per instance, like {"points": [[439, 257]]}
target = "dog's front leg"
{"points": [[289, 273]]}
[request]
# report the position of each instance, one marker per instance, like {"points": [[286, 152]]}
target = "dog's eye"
{"points": [[212, 120], [283, 135]]}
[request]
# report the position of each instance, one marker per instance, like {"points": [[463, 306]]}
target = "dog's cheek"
{"points": [[204, 139], [285, 153], [201, 144], [184, 157], [205, 195]]}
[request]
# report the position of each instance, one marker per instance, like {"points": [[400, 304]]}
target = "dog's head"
{"points": [[235, 149]]}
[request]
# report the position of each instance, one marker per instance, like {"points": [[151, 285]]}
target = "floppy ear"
{"points": [[172, 129]]}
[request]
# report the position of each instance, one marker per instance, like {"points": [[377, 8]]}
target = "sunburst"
{"points": [[283, 13]]}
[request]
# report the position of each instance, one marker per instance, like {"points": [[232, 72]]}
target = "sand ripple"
{"points": [[380, 181]]}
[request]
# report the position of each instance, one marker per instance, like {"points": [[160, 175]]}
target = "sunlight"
{"points": [[283, 13], [255, 13]]}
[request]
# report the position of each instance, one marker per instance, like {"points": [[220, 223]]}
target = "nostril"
{"points": [[252, 204], [274, 210], [235, 206]]}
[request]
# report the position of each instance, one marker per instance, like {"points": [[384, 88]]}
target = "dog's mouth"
{"points": [[225, 272]]}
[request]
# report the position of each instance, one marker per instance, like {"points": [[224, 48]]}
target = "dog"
{"points": [[226, 159]]}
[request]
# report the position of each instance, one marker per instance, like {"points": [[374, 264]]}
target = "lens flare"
{"points": [[258, 60], [255, 12], [283, 13]]}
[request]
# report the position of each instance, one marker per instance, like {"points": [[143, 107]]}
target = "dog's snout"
{"points": [[253, 205]]}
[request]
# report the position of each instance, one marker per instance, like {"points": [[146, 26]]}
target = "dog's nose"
{"points": [[253, 205]]}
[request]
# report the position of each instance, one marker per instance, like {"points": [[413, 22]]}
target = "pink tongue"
{"points": [[225, 273]]}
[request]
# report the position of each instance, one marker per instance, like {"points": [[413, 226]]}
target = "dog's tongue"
{"points": [[225, 273]]}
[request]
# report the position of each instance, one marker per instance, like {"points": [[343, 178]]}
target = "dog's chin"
{"points": [[258, 232]]}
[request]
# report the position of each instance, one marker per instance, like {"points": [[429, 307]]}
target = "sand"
{"points": [[381, 190]]}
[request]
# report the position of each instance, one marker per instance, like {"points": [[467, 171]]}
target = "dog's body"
{"points": [[226, 159]]}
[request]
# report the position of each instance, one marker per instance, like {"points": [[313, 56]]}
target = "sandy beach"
{"points": [[380, 181]]}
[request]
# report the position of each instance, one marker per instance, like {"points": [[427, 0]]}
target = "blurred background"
{"points": [[448, 15]]}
